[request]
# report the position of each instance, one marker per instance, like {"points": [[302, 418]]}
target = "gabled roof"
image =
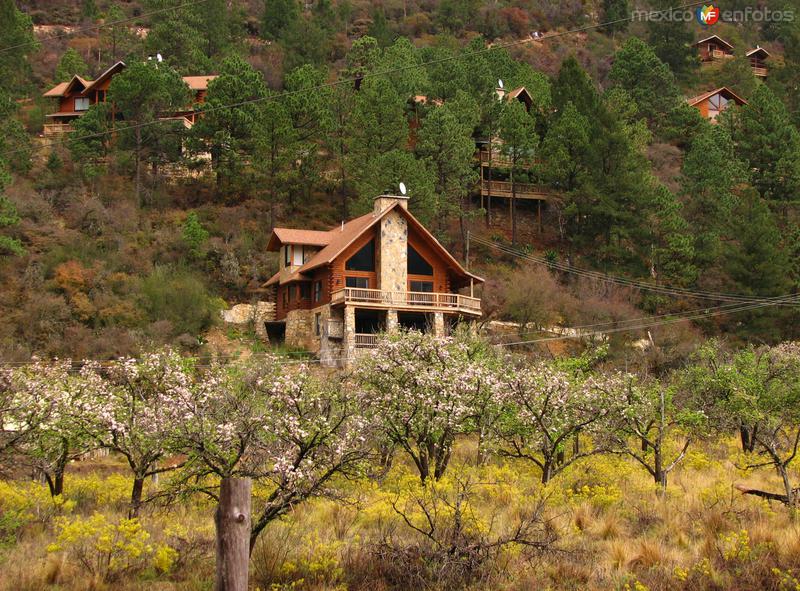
{"points": [[107, 74], [724, 91], [64, 88], [718, 39], [198, 82], [340, 237], [194, 82], [758, 50], [291, 236]]}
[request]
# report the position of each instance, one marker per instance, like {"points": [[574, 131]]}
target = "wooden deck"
{"points": [[523, 190], [407, 300]]}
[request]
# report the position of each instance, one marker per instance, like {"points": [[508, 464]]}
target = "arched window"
{"points": [[363, 260], [418, 265]]}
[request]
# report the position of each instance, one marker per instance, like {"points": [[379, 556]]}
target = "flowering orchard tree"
{"points": [[767, 394], [424, 391], [134, 411], [56, 395], [278, 424], [647, 419], [545, 408]]}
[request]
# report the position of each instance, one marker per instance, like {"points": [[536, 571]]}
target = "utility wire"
{"points": [[705, 310], [355, 79], [631, 283], [711, 312], [103, 25]]}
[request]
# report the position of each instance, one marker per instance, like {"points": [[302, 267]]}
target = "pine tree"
{"points": [[8, 216], [616, 10], [573, 85], [228, 134], [70, 64], [141, 94], [445, 141], [18, 42], [770, 144], [278, 18], [673, 242], [672, 40], [565, 150], [648, 81], [712, 175], [520, 141], [757, 264]]}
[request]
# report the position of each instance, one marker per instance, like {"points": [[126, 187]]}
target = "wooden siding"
{"points": [[441, 275]]}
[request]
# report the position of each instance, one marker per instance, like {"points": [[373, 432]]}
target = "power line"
{"points": [[705, 310], [355, 79], [714, 312], [631, 283], [792, 300], [102, 25]]}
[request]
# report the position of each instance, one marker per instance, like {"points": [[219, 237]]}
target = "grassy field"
{"points": [[600, 525]]}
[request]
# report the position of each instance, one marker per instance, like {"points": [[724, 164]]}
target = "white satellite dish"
{"points": [[402, 188], [159, 58], [500, 84]]}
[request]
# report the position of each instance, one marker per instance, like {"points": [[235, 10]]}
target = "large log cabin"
{"points": [[76, 96], [336, 290]]}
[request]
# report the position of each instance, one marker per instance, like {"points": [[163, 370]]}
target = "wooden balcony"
{"points": [[523, 190], [719, 54], [407, 300], [57, 129]]}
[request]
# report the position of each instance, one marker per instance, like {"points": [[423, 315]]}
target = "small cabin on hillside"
{"points": [[76, 96], [757, 57], [713, 48], [712, 103], [336, 290]]}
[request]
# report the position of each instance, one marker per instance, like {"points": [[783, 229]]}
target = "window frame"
{"points": [[85, 100], [369, 244], [317, 291], [356, 278]]}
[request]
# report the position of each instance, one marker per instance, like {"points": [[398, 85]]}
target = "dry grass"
{"points": [[613, 532]]}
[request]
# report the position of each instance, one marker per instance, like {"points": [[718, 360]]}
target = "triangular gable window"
{"points": [[418, 265], [364, 259]]}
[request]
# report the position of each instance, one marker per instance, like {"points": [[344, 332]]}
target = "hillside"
{"points": [[640, 186]]}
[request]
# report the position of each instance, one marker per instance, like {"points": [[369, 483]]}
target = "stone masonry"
{"points": [[393, 253]]}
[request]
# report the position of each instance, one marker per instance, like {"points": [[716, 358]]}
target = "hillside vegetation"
{"points": [[98, 264]]}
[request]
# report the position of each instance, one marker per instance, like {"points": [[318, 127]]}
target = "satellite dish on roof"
{"points": [[500, 84], [402, 188]]}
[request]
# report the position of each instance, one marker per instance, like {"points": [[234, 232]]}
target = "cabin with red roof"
{"points": [[336, 290], [76, 96], [713, 48], [712, 103]]}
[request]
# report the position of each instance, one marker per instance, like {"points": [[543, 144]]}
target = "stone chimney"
{"points": [[384, 201]]}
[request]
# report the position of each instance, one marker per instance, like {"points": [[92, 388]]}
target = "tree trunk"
{"points": [[232, 520], [659, 475], [513, 208], [136, 497], [138, 159], [489, 187], [547, 471], [748, 437]]}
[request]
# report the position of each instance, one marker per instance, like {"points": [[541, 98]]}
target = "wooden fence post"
{"points": [[232, 520]]}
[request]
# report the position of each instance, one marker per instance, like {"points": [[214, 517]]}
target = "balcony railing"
{"points": [[523, 190], [366, 341], [416, 300], [54, 129]]}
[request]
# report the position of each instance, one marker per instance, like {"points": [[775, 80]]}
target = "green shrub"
{"points": [[180, 297]]}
